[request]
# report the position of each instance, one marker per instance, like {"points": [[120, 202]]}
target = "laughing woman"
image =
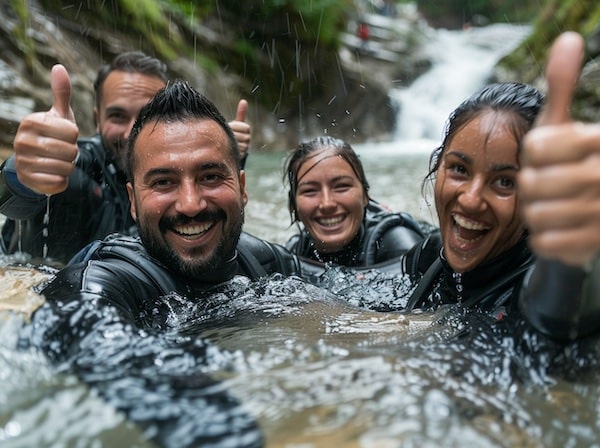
{"points": [[480, 258], [480, 253]]}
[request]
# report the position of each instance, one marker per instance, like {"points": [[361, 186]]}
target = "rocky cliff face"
{"points": [[526, 63], [352, 86]]}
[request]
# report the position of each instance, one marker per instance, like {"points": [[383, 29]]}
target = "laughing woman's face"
{"points": [[476, 192]]}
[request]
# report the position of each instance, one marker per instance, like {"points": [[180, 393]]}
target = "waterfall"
{"points": [[462, 61]]}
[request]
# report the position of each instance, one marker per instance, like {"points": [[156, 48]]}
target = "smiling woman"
{"points": [[341, 224]]}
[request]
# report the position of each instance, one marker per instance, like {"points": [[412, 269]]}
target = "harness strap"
{"points": [[253, 267], [377, 231], [424, 283]]}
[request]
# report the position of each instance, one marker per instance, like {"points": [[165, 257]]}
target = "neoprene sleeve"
{"points": [[562, 301]]}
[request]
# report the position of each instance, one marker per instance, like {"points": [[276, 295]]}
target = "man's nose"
{"points": [[190, 200]]}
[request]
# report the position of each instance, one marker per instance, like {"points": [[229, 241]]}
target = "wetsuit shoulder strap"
{"points": [[128, 250], [250, 264], [425, 283]]}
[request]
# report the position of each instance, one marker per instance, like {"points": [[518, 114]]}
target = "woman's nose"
{"points": [[471, 196], [327, 200]]}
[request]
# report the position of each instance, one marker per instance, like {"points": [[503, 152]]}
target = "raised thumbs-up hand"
{"points": [[241, 129], [559, 181], [46, 142]]}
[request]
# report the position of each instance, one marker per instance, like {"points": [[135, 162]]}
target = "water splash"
{"points": [[46, 222]]}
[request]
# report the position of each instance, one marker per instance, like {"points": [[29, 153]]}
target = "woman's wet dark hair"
{"points": [[177, 102], [307, 150], [521, 101]]}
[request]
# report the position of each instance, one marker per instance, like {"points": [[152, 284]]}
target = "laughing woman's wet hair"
{"points": [[521, 102]]}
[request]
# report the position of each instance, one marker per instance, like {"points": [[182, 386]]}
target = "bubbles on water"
{"points": [[373, 289], [312, 367]]}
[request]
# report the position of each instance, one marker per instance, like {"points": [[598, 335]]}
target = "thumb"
{"points": [[562, 71], [242, 110], [61, 92]]}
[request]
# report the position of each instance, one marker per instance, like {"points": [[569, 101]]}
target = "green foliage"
{"points": [[456, 13], [557, 16], [145, 18], [24, 39], [191, 9], [281, 46], [315, 21]]}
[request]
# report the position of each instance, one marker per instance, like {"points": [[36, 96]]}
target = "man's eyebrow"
{"points": [[114, 109], [212, 165], [158, 172]]}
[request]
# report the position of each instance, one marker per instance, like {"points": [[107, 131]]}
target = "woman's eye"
{"points": [[342, 187], [505, 183], [457, 168]]}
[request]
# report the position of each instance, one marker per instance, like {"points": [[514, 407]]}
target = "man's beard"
{"points": [[116, 149], [221, 254]]}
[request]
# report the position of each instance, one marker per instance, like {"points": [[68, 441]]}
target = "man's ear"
{"points": [[132, 208], [243, 187], [97, 120]]}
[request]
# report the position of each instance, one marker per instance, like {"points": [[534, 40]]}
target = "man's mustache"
{"points": [[181, 220]]}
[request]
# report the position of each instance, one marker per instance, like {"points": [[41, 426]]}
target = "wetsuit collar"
{"points": [[214, 276], [463, 286]]}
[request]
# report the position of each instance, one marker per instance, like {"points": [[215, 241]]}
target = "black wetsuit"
{"points": [[119, 271], [113, 302], [492, 286], [94, 204], [383, 236], [567, 308]]}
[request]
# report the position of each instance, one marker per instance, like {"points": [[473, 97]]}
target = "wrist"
{"points": [[11, 185]]}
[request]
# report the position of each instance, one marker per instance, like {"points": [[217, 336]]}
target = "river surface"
{"points": [[311, 368]]}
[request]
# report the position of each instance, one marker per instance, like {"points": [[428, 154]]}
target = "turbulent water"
{"points": [[305, 366]]}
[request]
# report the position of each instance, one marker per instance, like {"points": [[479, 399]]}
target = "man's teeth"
{"points": [[330, 221], [194, 230], [468, 224]]}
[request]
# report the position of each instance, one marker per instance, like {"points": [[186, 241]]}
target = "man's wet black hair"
{"points": [[177, 102], [130, 62]]}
